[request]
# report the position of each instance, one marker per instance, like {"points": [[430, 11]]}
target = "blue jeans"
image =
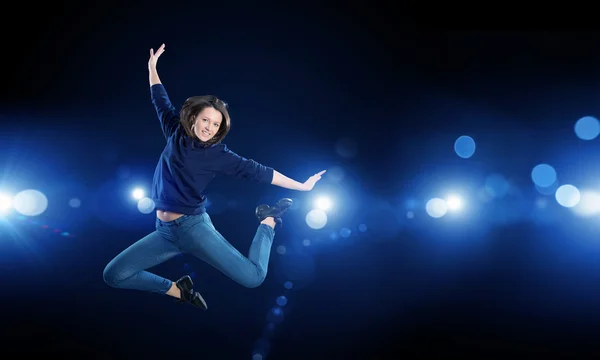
{"points": [[192, 234]]}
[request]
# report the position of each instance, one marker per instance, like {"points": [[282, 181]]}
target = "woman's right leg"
{"points": [[128, 269]]}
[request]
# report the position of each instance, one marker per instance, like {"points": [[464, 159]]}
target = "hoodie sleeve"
{"points": [[232, 164], [167, 115]]}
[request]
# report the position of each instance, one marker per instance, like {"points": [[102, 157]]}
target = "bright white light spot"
{"points": [[5, 202], [30, 202], [567, 195], [316, 219], [454, 202], [436, 208], [589, 204], [323, 203], [145, 205], [138, 193]]}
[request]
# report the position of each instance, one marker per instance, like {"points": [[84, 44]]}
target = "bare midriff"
{"points": [[167, 216]]}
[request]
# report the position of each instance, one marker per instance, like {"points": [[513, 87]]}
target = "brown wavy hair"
{"points": [[193, 106]]}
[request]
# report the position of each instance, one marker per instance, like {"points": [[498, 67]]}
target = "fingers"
{"points": [[160, 50], [316, 177]]}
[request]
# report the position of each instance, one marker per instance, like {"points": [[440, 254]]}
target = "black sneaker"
{"points": [[276, 211], [185, 286]]}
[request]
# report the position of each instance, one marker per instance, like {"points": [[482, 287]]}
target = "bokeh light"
{"points": [[464, 146], [587, 128], [30, 202]]}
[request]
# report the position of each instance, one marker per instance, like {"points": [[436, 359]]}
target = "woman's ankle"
{"points": [[174, 291], [269, 221]]}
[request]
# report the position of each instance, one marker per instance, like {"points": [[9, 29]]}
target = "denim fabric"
{"points": [[191, 234]]}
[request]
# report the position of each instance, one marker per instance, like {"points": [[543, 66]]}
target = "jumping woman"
{"points": [[191, 158]]}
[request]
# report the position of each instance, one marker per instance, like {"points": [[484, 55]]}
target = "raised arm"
{"points": [[168, 116], [235, 165]]}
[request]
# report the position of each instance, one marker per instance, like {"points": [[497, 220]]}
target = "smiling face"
{"points": [[205, 118], [207, 123]]}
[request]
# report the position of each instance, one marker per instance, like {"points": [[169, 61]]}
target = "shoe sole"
{"points": [[204, 306], [282, 205]]}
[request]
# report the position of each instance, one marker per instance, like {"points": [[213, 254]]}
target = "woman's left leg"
{"points": [[207, 244]]}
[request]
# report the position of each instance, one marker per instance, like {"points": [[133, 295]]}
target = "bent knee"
{"points": [[109, 275], [255, 281]]}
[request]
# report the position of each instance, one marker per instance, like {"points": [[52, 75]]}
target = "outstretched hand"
{"points": [[154, 57], [310, 183]]}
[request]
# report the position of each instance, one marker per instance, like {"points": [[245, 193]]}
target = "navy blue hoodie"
{"points": [[184, 170]]}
